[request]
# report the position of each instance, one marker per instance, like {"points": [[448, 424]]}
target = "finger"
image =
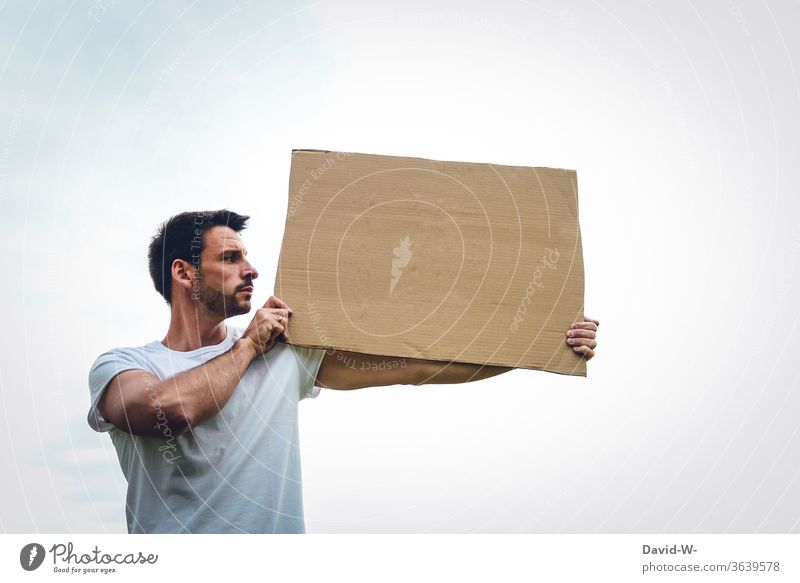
{"points": [[584, 351], [277, 330], [590, 342], [595, 322], [276, 302], [581, 333], [284, 335], [280, 314], [584, 326], [283, 322]]}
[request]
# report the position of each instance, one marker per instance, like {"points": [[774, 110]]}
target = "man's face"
{"points": [[224, 283]]}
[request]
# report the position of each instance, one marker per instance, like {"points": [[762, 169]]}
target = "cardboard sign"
{"points": [[453, 261]]}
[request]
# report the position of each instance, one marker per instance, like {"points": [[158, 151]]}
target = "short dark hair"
{"points": [[183, 237]]}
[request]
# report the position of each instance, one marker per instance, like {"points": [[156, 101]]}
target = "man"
{"points": [[205, 421]]}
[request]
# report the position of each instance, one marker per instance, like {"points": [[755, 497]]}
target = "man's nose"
{"points": [[250, 271]]}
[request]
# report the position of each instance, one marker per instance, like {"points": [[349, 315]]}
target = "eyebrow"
{"points": [[224, 251]]}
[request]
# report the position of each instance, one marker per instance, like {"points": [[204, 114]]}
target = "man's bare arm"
{"points": [[140, 403], [341, 369], [440, 372]]}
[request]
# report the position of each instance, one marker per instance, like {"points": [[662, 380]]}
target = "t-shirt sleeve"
{"points": [[309, 361], [106, 367]]}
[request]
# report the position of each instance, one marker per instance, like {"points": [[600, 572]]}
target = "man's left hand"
{"points": [[581, 336]]}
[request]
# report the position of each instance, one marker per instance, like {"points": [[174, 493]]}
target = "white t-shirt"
{"points": [[238, 471]]}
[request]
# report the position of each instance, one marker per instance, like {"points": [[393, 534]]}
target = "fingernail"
{"points": [[570, 333], [570, 341]]}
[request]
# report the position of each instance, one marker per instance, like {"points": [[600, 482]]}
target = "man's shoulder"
{"points": [[141, 354], [143, 349]]}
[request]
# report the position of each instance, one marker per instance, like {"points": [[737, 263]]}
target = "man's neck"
{"points": [[191, 329]]}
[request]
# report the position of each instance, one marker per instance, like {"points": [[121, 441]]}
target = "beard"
{"points": [[220, 304]]}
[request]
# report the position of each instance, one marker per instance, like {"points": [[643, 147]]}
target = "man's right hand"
{"points": [[269, 325]]}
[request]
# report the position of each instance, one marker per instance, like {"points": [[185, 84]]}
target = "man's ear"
{"points": [[182, 274]]}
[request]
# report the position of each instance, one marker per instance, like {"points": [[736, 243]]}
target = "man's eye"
{"points": [[228, 258]]}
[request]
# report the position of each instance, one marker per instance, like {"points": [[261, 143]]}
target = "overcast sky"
{"points": [[681, 119]]}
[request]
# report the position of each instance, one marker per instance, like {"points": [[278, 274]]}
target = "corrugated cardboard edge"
{"points": [[574, 373], [297, 150]]}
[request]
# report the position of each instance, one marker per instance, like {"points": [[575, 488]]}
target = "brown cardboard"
{"points": [[418, 258]]}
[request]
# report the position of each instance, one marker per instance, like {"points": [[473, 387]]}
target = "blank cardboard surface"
{"points": [[419, 258]]}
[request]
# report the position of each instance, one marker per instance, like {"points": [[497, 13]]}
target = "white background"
{"points": [[681, 119]]}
